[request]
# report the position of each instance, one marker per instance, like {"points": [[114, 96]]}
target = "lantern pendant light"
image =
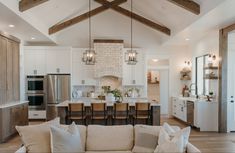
{"points": [[131, 55], [89, 55]]}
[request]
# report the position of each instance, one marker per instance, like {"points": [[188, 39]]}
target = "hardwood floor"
{"points": [[207, 142]]}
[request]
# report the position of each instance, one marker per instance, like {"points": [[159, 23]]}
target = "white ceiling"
{"points": [[110, 24], [22, 29]]}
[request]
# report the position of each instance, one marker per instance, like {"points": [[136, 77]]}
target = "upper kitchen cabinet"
{"points": [[9, 69], [58, 60], [133, 75], [82, 74], [34, 61]]}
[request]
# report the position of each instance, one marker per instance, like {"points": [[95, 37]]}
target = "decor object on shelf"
{"points": [[89, 55], [211, 72], [131, 55]]}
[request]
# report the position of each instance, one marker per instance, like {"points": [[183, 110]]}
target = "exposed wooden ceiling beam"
{"points": [[68, 23], [188, 5], [28, 4], [139, 18]]}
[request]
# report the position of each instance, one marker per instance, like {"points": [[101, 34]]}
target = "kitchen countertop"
{"points": [[193, 99], [65, 103], [15, 103]]}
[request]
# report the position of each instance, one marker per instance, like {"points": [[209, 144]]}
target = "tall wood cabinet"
{"points": [[9, 70], [12, 111]]}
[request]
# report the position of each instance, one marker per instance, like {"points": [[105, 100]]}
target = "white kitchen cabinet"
{"points": [[82, 74], [179, 109], [58, 60], [133, 75], [34, 61]]}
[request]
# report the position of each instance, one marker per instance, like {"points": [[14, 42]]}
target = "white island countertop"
{"points": [[88, 104], [14, 103]]}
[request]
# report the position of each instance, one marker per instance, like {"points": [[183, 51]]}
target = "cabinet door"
{"points": [[29, 63], [58, 61], [10, 49], [3, 69], [16, 72], [138, 71]]}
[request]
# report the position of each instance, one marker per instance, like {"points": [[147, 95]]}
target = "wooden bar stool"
{"points": [[142, 112], [76, 112], [121, 112], [99, 112]]}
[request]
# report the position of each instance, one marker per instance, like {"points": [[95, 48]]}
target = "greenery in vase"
{"points": [[117, 94]]}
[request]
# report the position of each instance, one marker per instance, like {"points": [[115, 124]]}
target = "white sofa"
{"points": [[112, 139]]}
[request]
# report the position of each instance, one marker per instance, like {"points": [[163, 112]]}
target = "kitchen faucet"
{"points": [[191, 89]]}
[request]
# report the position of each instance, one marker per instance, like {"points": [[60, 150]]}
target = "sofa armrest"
{"points": [[192, 149], [21, 150]]}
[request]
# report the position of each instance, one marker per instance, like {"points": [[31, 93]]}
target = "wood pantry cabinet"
{"points": [[9, 70], [12, 112]]}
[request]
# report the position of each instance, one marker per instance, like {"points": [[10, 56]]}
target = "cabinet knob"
{"points": [[83, 81], [58, 70], [35, 72], [133, 82]]}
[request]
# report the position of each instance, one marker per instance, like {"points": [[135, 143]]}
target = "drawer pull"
{"points": [[35, 114]]}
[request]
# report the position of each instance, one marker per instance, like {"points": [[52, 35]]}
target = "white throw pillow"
{"points": [[36, 138], [66, 140], [168, 145], [184, 132]]}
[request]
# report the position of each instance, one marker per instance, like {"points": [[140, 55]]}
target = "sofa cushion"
{"points": [[146, 138], [109, 138], [168, 145], [36, 138], [83, 132], [66, 140]]}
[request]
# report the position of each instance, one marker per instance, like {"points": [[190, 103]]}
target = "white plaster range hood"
{"points": [[109, 58]]}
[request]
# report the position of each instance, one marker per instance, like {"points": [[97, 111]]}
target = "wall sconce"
{"points": [[89, 57], [211, 59], [187, 64], [131, 57]]}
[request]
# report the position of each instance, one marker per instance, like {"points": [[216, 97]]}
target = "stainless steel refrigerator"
{"points": [[58, 90]]}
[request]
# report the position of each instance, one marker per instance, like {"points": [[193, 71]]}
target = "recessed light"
{"points": [[11, 25], [155, 60], [187, 39], [33, 38]]}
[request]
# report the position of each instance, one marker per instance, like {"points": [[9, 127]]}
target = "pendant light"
{"points": [[131, 55], [89, 55]]}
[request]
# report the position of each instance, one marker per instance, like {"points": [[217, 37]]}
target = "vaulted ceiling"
{"points": [[110, 24]]}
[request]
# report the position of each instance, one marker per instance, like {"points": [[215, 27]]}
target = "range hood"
{"points": [[109, 58]]}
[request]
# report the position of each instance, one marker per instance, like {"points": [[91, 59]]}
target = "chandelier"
{"points": [[131, 55], [89, 55]]}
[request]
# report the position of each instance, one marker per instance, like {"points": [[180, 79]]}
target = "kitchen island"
{"points": [[63, 111]]}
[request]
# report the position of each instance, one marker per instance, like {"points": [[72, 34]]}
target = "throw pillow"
{"points": [[66, 140], [146, 138], [184, 132], [36, 138]]}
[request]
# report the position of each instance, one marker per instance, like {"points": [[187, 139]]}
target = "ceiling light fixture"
{"points": [[131, 55], [187, 39], [11, 25], [155, 60], [89, 55], [33, 38]]}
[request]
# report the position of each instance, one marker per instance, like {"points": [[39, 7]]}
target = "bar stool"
{"points": [[142, 112], [121, 112], [76, 112], [99, 112]]}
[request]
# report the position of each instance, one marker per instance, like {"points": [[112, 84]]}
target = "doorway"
{"points": [[231, 82], [158, 83]]}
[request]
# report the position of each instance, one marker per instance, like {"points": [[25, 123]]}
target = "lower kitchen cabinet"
{"points": [[10, 117], [179, 109]]}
